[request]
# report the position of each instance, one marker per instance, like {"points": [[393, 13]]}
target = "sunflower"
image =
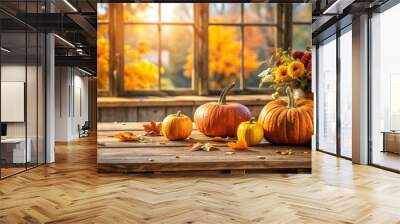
{"points": [[296, 69], [281, 73]]}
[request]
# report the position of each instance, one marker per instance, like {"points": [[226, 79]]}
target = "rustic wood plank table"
{"points": [[157, 154]]}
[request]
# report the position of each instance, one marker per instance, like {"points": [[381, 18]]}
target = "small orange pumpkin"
{"points": [[288, 122], [250, 132], [177, 126], [221, 118]]}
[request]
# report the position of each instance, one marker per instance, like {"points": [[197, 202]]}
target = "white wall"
{"points": [[71, 102]]}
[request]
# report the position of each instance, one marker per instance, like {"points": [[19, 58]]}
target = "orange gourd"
{"points": [[221, 118], [288, 122], [250, 132], [177, 126]]}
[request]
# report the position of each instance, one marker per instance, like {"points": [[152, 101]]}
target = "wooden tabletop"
{"points": [[159, 154]]}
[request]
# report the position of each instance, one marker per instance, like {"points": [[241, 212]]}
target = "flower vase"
{"points": [[298, 93]]}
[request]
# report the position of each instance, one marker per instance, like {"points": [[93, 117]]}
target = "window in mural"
{"points": [[158, 40], [301, 26], [103, 51], [159, 44], [241, 38]]}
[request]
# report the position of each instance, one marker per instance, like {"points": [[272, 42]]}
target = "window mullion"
{"points": [[201, 48], [159, 46], [242, 81]]}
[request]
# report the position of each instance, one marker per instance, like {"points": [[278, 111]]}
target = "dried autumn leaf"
{"points": [[127, 136], [239, 145], [152, 128], [219, 139], [205, 147], [209, 147], [197, 147], [285, 152]]}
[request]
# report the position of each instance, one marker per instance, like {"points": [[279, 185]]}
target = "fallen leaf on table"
{"points": [[261, 157], [127, 136], [208, 147], [219, 139], [205, 147], [197, 147], [238, 145], [285, 152], [163, 142], [152, 128]]}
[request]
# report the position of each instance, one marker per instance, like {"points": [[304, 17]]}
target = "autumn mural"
{"points": [[200, 86]]}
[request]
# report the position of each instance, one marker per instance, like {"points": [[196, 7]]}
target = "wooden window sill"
{"points": [[152, 101]]}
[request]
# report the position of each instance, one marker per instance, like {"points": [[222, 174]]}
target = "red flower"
{"points": [[306, 58], [297, 54], [278, 62]]}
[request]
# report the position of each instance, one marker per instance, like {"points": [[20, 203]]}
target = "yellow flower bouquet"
{"points": [[287, 69]]}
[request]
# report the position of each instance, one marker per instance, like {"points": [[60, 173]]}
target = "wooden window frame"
{"points": [[200, 46]]}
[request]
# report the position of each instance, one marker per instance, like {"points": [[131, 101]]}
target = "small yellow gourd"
{"points": [[177, 126], [250, 132]]}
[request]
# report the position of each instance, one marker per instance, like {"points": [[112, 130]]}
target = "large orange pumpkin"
{"points": [[288, 122], [221, 118]]}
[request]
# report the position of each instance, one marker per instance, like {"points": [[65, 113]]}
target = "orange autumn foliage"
{"points": [[224, 49], [103, 58], [141, 74]]}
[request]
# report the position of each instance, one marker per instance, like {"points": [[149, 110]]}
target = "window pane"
{"points": [[260, 13], [102, 12], [177, 12], [259, 43], [327, 97], [302, 12], [103, 57], [301, 37], [141, 57], [225, 12], [141, 12], [385, 88], [177, 57], [224, 49], [346, 94]]}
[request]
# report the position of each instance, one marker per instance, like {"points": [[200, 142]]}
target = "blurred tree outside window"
{"points": [[302, 16]]}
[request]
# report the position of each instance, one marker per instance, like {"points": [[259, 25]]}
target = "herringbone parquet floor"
{"points": [[71, 191]]}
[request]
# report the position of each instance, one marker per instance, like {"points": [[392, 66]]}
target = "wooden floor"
{"points": [[386, 159], [71, 191]]}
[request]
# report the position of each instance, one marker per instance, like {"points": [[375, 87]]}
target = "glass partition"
{"points": [[14, 153], [22, 77], [346, 93], [385, 89], [326, 90]]}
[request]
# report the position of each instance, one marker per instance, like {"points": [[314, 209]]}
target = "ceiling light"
{"points": [[337, 7], [84, 71], [5, 50], [64, 40], [70, 5]]}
